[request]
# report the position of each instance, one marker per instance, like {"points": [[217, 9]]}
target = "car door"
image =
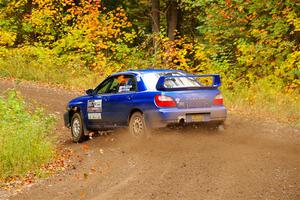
{"points": [[98, 114], [120, 101]]}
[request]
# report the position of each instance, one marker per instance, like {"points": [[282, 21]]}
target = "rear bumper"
{"points": [[163, 117]]}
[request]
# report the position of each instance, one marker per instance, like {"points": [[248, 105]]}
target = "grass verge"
{"points": [[265, 101], [24, 136], [43, 65]]}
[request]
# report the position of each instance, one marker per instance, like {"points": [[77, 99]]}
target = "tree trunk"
{"points": [[155, 19], [27, 9], [172, 18], [155, 16]]}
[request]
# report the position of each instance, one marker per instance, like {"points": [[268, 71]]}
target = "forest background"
{"points": [[253, 44]]}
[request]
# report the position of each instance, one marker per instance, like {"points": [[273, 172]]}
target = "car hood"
{"points": [[79, 100]]}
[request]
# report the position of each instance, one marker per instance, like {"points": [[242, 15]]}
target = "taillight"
{"points": [[218, 100], [164, 101]]}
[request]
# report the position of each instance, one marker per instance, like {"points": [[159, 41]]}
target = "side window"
{"points": [[102, 89], [128, 84], [114, 86], [123, 84]]}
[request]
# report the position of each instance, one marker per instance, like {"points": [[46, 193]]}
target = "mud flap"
{"points": [[67, 120], [85, 130]]}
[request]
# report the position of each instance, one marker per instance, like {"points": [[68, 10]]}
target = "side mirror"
{"points": [[89, 92]]}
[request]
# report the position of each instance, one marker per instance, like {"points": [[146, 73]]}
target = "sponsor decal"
{"points": [[94, 116], [94, 106], [125, 88]]}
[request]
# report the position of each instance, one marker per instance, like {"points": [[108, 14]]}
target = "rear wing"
{"points": [[216, 82]]}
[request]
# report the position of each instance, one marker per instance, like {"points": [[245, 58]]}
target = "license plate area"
{"points": [[198, 117], [94, 116]]}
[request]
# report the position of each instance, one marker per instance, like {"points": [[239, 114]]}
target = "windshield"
{"points": [[151, 79]]}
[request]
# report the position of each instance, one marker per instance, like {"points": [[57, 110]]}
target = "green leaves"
{"points": [[24, 140], [256, 37]]}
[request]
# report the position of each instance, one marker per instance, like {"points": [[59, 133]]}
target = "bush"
{"points": [[44, 65], [24, 141], [265, 99]]}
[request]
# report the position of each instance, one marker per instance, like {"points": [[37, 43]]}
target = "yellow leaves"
{"points": [[255, 31], [292, 19], [176, 53], [200, 53], [259, 33], [7, 38], [251, 16], [77, 31], [291, 64], [101, 45], [83, 28], [129, 36], [204, 63], [99, 62], [246, 53], [14, 5]]}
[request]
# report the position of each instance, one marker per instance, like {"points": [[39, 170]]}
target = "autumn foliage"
{"points": [[69, 29], [242, 40]]}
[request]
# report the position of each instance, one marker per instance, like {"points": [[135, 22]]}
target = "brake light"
{"points": [[164, 101], [218, 100]]}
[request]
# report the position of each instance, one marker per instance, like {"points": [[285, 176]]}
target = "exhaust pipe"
{"points": [[181, 122]]}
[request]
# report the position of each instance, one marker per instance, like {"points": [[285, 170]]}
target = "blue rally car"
{"points": [[146, 99]]}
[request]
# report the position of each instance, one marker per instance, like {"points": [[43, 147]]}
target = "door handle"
{"points": [[106, 99], [130, 97]]}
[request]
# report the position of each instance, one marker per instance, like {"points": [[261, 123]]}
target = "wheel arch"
{"points": [[134, 110], [77, 109], [73, 110]]}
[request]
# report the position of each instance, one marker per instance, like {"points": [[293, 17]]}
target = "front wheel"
{"points": [[77, 128], [137, 125]]}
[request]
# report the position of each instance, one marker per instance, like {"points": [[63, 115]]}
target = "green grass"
{"points": [[265, 101], [42, 65], [24, 141]]}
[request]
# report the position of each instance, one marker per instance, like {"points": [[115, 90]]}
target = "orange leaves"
{"points": [[228, 3], [175, 53], [81, 29], [84, 28], [85, 148]]}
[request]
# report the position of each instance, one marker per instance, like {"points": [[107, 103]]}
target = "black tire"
{"points": [[137, 126], [77, 128]]}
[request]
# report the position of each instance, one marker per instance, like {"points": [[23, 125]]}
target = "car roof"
{"points": [[145, 71]]}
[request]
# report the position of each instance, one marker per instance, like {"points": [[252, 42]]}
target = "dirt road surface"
{"points": [[249, 160]]}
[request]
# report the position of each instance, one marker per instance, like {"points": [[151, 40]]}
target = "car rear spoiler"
{"points": [[216, 82]]}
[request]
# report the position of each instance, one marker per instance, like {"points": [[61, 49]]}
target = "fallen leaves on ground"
{"points": [[60, 163]]}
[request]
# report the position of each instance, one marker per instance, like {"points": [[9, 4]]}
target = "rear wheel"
{"points": [[137, 125], [77, 128]]}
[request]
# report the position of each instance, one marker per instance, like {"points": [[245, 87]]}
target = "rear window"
{"points": [[181, 82], [151, 79]]}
